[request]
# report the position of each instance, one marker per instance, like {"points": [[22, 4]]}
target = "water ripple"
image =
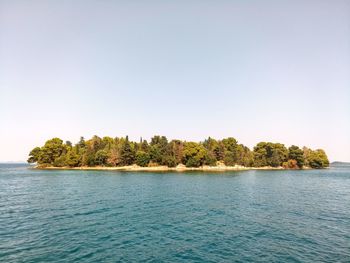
{"points": [[254, 216]]}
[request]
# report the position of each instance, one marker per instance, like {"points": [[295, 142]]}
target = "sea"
{"points": [[113, 216]]}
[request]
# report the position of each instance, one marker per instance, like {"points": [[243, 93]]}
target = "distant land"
{"points": [[337, 163], [14, 162]]}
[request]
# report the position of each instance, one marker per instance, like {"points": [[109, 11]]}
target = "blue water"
{"points": [[250, 216]]}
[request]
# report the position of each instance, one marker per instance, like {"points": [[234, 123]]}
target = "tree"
{"points": [[60, 161], [72, 158], [219, 151], [107, 143], [170, 161], [215, 149], [88, 159], [155, 154], [230, 158], [81, 143], [142, 158], [297, 154], [194, 154], [210, 159], [34, 155], [279, 154], [81, 150], [270, 154], [96, 143], [318, 159], [158, 149], [260, 154], [88, 153], [144, 146], [101, 157], [127, 154], [306, 154], [245, 156], [175, 152], [291, 164], [114, 156], [120, 151], [230, 144], [51, 150]]}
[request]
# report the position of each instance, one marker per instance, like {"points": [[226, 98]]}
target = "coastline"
{"points": [[179, 168]]}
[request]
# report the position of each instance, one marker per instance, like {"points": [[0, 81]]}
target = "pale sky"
{"points": [[256, 70]]}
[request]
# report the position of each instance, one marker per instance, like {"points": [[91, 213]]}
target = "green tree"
{"points": [[158, 149], [306, 152], [230, 158], [270, 154], [144, 146], [230, 144], [34, 155], [81, 143], [170, 161], [121, 151], [142, 158], [215, 149], [318, 159], [81, 150], [245, 156], [260, 154], [51, 150], [174, 150], [194, 154], [127, 153], [60, 161], [88, 153], [72, 158], [210, 159], [101, 157], [155, 154], [297, 154], [279, 154], [107, 143]]}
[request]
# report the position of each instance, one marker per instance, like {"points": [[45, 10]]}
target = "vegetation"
{"points": [[315, 159], [113, 152]]}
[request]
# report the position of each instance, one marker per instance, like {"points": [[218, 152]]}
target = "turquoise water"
{"points": [[250, 216]]}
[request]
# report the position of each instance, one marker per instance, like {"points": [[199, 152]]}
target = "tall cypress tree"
{"points": [[127, 153]]}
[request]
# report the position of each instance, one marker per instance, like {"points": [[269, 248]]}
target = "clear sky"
{"points": [[256, 70]]}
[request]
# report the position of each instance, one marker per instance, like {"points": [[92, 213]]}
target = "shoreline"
{"points": [[179, 168]]}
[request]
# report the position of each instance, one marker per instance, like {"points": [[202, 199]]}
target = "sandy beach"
{"points": [[179, 168]]}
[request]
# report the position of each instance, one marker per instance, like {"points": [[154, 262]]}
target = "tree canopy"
{"points": [[120, 151]]}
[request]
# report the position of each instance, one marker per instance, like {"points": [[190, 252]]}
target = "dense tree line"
{"points": [[112, 152]]}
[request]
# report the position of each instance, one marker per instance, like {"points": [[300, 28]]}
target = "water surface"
{"points": [[110, 216]]}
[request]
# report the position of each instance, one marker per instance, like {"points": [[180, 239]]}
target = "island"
{"points": [[159, 154]]}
